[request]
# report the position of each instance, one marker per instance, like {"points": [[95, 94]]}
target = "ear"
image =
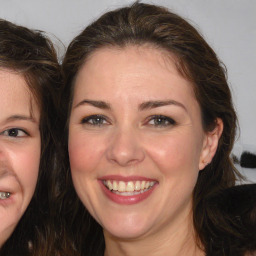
{"points": [[210, 144]]}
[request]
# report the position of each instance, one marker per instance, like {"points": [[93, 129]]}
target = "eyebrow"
{"points": [[95, 103], [156, 104], [143, 106], [20, 117]]}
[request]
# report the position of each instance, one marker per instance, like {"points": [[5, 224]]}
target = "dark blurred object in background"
{"points": [[248, 160]]}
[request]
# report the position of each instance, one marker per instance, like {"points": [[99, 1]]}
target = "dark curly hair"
{"points": [[32, 55]]}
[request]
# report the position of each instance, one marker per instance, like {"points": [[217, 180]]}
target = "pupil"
{"points": [[13, 132], [97, 121], [159, 120]]}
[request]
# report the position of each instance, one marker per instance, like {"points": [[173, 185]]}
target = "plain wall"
{"points": [[229, 26]]}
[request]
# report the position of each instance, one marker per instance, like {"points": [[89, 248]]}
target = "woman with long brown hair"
{"points": [[30, 82], [150, 128]]}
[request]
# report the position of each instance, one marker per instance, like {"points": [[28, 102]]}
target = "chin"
{"points": [[128, 227], [125, 233]]}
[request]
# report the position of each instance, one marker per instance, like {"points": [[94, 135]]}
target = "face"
{"points": [[136, 141], [19, 150]]}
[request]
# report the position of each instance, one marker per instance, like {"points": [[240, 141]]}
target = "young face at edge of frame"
{"points": [[20, 147], [136, 141]]}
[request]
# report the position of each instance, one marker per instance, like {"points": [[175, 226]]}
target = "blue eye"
{"points": [[14, 132], [161, 121], [94, 120]]}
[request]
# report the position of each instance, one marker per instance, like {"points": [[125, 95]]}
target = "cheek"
{"points": [[84, 153], [176, 158], [28, 166], [24, 159], [175, 154]]}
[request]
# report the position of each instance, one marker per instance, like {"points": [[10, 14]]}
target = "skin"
{"points": [[19, 149], [128, 140]]}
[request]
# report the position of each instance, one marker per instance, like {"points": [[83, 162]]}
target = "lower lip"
{"points": [[126, 200]]}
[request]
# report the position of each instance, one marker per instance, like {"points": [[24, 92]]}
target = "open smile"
{"points": [[128, 188], [128, 191]]}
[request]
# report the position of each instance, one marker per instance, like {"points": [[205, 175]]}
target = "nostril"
{"points": [[126, 156], [125, 160], [125, 148]]}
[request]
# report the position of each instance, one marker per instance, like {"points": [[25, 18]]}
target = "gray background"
{"points": [[228, 25]]}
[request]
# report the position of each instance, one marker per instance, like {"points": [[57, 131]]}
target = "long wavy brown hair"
{"points": [[32, 55], [141, 24]]}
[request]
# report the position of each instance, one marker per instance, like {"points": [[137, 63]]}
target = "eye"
{"points": [[4, 195], [15, 132], [161, 121], [95, 120]]}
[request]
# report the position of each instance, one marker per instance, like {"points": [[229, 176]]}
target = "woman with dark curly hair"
{"points": [[30, 82], [150, 127]]}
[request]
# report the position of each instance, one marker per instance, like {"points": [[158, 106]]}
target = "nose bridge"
{"points": [[125, 147]]}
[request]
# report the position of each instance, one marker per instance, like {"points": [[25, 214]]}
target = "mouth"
{"points": [[129, 188]]}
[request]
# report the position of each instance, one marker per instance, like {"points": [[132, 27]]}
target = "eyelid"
{"points": [[166, 118], [17, 129], [85, 120]]}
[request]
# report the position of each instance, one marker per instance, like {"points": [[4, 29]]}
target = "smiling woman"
{"points": [[20, 149], [29, 83], [150, 126], [135, 170]]}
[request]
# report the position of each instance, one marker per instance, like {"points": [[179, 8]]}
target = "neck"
{"points": [[170, 240]]}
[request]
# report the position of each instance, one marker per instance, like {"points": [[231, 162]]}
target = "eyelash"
{"points": [[98, 120], [167, 121], [94, 120], [14, 132]]}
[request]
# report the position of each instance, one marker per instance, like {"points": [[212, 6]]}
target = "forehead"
{"points": [[129, 69], [15, 94], [128, 56], [12, 84]]}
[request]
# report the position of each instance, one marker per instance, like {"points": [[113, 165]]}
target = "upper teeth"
{"points": [[129, 186], [4, 195]]}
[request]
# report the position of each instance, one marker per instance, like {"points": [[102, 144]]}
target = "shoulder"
{"points": [[232, 214]]}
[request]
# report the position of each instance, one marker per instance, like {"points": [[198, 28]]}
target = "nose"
{"points": [[125, 148]]}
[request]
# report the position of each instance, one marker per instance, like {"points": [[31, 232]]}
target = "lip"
{"points": [[124, 178], [126, 200]]}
